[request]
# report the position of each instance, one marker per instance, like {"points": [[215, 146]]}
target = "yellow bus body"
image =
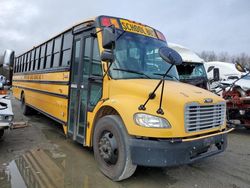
{"points": [[50, 93]]}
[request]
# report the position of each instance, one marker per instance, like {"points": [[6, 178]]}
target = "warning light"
{"points": [[105, 21], [160, 36]]}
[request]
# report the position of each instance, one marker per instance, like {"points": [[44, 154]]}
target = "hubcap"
{"points": [[108, 148]]}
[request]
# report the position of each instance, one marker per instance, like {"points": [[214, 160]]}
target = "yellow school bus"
{"points": [[113, 85]]}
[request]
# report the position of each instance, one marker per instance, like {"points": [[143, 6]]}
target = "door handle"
{"points": [[73, 85]]}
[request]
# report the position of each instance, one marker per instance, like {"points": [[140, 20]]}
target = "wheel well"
{"points": [[22, 93], [104, 111]]}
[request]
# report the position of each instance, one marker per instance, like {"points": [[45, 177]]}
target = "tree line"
{"points": [[242, 58]]}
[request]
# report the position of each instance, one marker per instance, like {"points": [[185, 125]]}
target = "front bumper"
{"points": [[4, 125], [164, 153]]}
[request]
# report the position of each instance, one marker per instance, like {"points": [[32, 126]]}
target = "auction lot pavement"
{"points": [[40, 156]]}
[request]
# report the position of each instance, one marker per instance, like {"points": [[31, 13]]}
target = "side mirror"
{"points": [[170, 55], [107, 56], [239, 67], [108, 38], [216, 74], [8, 59], [210, 68]]}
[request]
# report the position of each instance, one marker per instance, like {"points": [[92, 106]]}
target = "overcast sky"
{"points": [[218, 25]]}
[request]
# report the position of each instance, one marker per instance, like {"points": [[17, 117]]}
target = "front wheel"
{"points": [[111, 148]]}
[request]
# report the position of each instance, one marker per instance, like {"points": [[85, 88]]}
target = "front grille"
{"points": [[202, 117]]}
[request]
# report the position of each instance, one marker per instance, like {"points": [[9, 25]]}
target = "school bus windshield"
{"points": [[136, 56]]}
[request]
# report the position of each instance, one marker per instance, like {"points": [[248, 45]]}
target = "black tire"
{"points": [[1, 133], [119, 166], [25, 108], [247, 127]]}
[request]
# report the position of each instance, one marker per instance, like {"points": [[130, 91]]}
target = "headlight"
{"points": [[146, 120]]}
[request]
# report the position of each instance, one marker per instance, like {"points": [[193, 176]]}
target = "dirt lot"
{"points": [[40, 156]]}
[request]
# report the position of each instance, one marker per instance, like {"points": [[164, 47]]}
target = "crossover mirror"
{"points": [[170, 55]]}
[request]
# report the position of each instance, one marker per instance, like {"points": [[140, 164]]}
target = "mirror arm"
{"points": [[152, 95]]}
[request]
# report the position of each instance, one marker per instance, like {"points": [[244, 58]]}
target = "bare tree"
{"points": [[242, 58]]}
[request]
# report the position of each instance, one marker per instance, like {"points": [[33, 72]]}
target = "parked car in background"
{"points": [[6, 113], [192, 69], [233, 84]]}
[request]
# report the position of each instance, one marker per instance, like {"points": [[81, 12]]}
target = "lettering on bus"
{"points": [[137, 28]]}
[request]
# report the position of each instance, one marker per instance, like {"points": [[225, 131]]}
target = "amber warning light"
{"points": [[106, 22]]}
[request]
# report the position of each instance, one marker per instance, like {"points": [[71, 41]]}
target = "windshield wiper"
{"points": [[132, 71], [152, 95], [162, 74]]}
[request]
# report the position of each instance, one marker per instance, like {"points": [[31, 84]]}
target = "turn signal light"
{"points": [[106, 22]]}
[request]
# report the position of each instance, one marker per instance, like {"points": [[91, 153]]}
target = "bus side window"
{"points": [[42, 56], [21, 66], [26, 61], [15, 64], [36, 66], [18, 65], [66, 49], [48, 54], [56, 51], [32, 60]]}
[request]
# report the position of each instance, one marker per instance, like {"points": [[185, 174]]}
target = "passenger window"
{"points": [[27, 61], [24, 62], [42, 56], [31, 67], [66, 50], [21, 67], [36, 66], [56, 51], [19, 64], [48, 54]]}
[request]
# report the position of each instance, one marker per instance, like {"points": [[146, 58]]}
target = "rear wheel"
{"points": [[111, 148], [25, 109]]}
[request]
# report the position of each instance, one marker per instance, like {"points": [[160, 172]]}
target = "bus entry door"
{"points": [[77, 121]]}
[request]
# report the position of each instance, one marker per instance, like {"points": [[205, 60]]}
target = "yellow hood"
{"points": [[127, 95]]}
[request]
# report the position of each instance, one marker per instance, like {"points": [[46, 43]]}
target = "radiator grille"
{"points": [[202, 117]]}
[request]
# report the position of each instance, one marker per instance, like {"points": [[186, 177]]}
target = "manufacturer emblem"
{"points": [[208, 100]]}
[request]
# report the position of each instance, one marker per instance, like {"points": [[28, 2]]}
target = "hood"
{"points": [[173, 91]]}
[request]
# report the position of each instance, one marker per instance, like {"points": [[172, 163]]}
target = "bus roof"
{"points": [[121, 23]]}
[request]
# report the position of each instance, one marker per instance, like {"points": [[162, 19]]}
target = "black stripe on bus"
{"points": [[44, 71], [44, 92], [44, 82]]}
